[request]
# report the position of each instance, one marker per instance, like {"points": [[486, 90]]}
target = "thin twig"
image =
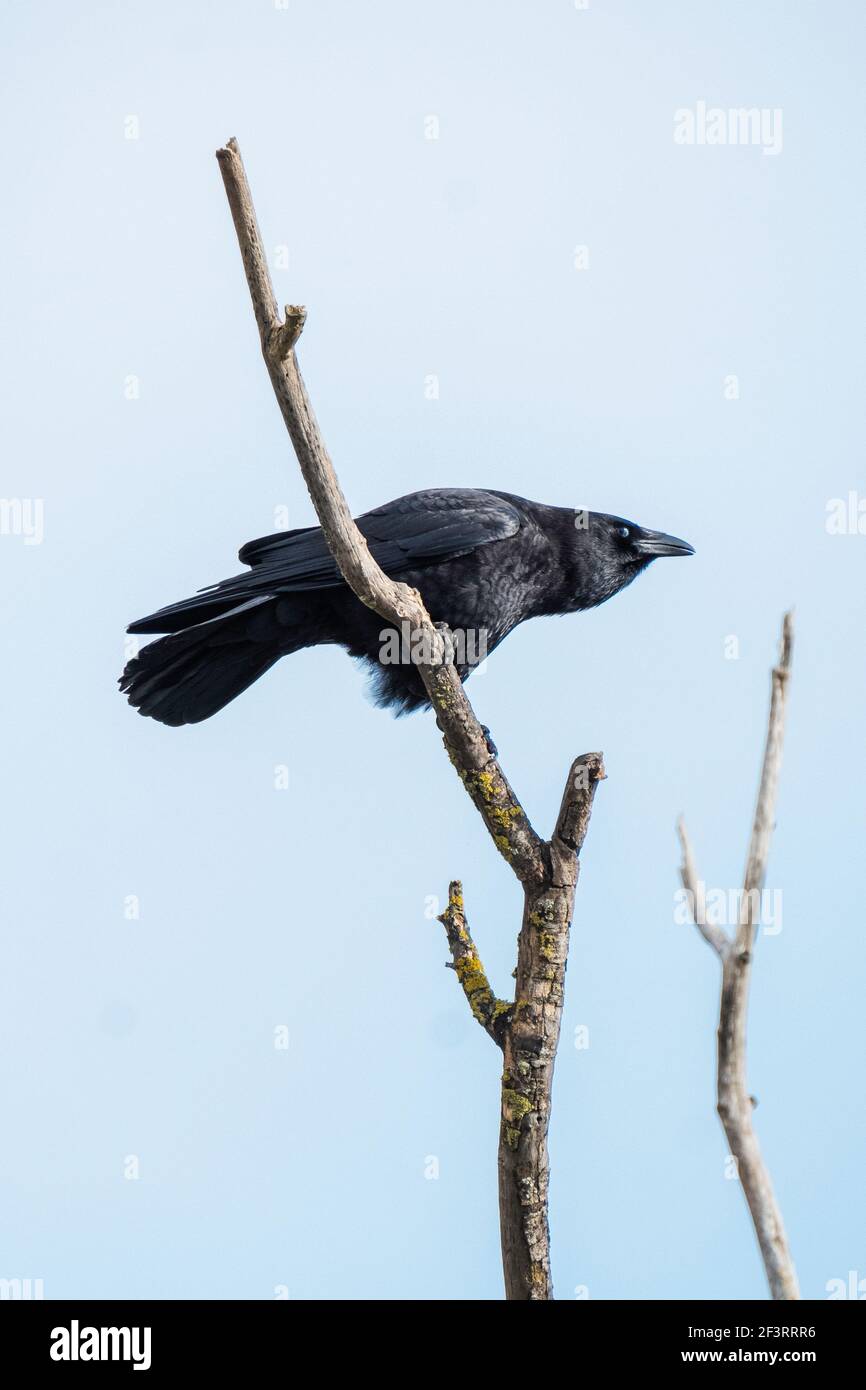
{"points": [[493, 1014], [714, 936], [734, 1103], [765, 808]]}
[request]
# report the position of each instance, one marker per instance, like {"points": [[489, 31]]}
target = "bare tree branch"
{"points": [[735, 1104], [493, 1014], [396, 603], [528, 1030], [531, 1041], [713, 935], [765, 809]]}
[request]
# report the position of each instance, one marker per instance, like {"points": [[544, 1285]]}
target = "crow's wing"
{"points": [[414, 530], [417, 530]]}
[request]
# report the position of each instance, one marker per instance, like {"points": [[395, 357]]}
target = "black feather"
{"points": [[483, 562]]}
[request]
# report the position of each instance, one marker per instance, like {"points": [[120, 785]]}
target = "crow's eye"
{"points": [[623, 531]]}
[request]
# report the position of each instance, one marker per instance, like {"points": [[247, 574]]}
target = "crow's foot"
{"points": [[488, 739]]}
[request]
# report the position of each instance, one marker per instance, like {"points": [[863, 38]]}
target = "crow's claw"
{"points": [[491, 746]]}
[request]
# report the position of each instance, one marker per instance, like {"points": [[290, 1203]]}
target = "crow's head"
{"points": [[609, 552]]}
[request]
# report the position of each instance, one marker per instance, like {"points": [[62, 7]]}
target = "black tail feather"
{"points": [[188, 676]]}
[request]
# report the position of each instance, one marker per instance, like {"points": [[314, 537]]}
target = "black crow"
{"points": [[482, 561]]}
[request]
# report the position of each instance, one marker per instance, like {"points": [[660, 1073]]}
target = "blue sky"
{"points": [[607, 386]]}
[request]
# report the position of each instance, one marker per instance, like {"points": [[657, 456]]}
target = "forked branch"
{"points": [[736, 953], [528, 1029]]}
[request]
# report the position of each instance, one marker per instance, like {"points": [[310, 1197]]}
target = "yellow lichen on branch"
{"points": [[492, 1013]]}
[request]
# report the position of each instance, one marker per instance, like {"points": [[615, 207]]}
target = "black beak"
{"points": [[655, 543]]}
